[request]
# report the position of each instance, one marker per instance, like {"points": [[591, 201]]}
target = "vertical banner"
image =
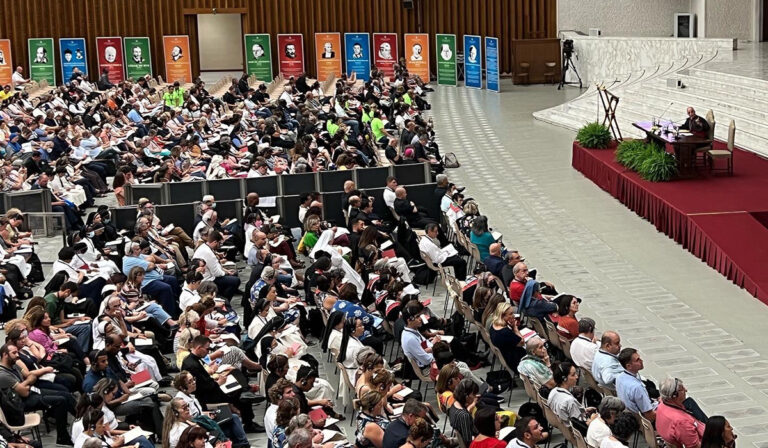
{"points": [[416, 53], [328, 54], [473, 63], [109, 53], [41, 60], [6, 63], [72, 53], [445, 49], [385, 52], [290, 51], [178, 66], [492, 64], [138, 59], [357, 48], [258, 56]]}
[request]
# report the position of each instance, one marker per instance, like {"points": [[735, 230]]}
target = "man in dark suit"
{"points": [[694, 123], [406, 209], [209, 390]]}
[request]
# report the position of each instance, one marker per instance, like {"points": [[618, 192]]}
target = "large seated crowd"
{"points": [[129, 314]]}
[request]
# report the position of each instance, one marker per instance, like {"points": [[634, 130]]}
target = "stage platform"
{"points": [[720, 219]]}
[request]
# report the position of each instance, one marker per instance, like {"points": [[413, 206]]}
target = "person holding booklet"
{"points": [[444, 256]]}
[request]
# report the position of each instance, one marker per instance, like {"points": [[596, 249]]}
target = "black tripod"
{"points": [[568, 63]]}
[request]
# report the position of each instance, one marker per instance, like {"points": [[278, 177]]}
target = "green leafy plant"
{"points": [[638, 157], [658, 166], [627, 151], [594, 136]]}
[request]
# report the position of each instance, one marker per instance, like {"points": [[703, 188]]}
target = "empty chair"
{"points": [[522, 73], [550, 73], [724, 154]]}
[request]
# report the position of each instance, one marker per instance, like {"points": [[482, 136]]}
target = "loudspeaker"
{"points": [[408, 4]]}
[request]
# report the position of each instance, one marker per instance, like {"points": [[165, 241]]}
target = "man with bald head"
{"points": [[538, 305], [252, 206], [606, 366], [694, 123], [417, 218], [493, 262]]}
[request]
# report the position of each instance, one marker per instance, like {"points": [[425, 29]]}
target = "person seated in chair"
{"points": [[694, 123], [445, 256]]}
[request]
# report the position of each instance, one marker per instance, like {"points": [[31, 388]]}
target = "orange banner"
{"points": [[6, 63], [178, 66], [328, 54], [416, 53]]}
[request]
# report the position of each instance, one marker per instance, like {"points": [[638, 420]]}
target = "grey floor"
{"points": [[685, 318], [750, 60]]}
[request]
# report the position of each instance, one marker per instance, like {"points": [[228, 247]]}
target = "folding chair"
{"points": [[425, 380]]}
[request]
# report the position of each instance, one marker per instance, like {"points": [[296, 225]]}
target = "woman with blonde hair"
{"points": [[506, 336], [371, 422], [447, 380]]}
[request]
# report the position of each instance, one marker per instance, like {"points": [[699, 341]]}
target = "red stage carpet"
{"points": [[722, 220]]}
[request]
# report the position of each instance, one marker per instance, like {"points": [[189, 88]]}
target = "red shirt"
{"points": [[677, 426], [490, 442], [516, 291], [568, 327]]}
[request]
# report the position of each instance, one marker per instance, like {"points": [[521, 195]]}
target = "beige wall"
{"points": [[730, 18], [636, 18], [221, 41]]}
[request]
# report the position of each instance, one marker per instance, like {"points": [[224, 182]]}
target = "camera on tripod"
{"points": [[568, 48]]}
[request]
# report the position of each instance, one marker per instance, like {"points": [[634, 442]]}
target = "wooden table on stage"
{"points": [[683, 146]]}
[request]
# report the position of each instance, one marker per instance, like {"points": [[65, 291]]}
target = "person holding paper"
{"points": [[55, 302], [444, 256], [226, 279], [178, 419], [55, 341]]}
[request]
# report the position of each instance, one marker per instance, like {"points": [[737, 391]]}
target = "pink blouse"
{"points": [[45, 340]]}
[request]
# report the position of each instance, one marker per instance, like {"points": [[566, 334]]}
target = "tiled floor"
{"points": [[686, 319]]}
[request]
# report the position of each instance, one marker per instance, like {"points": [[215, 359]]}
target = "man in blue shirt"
{"points": [[415, 346], [606, 366], [163, 288], [141, 124], [630, 387], [493, 262]]}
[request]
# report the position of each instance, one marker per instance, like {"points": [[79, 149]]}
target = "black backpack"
{"points": [[12, 406]]}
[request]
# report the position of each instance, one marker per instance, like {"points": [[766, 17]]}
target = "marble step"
{"points": [[728, 78], [719, 87]]}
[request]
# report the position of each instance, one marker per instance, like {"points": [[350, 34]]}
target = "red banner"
{"points": [[290, 52], [385, 52], [109, 51]]}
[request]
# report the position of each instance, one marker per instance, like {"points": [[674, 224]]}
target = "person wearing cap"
{"points": [[226, 279]]}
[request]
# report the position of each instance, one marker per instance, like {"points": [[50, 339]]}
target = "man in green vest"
{"points": [[174, 97]]}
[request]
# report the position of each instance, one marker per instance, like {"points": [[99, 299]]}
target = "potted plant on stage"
{"points": [[594, 136]]}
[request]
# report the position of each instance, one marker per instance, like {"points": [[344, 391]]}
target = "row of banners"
{"points": [[130, 57]]}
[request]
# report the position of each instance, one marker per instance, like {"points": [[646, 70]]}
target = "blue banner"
{"points": [[73, 55], [473, 62], [357, 55], [492, 64]]}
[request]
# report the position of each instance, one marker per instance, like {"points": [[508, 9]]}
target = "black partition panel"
{"points": [[294, 184], [124, 218], [424, 196], [2, 203], [410, 174], [372, 177], [232, 209], [183, 192], [379, 207], [180, 215], [29, 201], [332, 208], [265, 186], [225, 189], [334, 180], [290, 210], [153, 192]]}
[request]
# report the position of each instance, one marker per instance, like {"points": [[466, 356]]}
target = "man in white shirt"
{"points": [[18, 79], [189, 295], [226, 279], [584, 347], [281, 390], [389, 192], [529, 432], [445, 256]]}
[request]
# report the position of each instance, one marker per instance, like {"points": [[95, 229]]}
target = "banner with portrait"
{"points": [[385, 52], [178, 66], [138, 58], [258, 56], [492, 64], [290, 50], [473, 62], [328, 54], [73, 55], [357, 47], [41, 60], [109, 53], [445, 51], [416, 54], [6, 63]]}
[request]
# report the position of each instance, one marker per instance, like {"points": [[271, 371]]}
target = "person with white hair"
{"points": [[205, 225], [300, 438], [679, 420], [535, 364]]}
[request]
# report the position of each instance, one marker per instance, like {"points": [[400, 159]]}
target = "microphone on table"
{"points": [[666, 110]]}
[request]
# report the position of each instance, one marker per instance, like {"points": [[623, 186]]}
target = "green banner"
{"points": [[446, 59], [258, 56], [42, 60], [138, 59]]}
